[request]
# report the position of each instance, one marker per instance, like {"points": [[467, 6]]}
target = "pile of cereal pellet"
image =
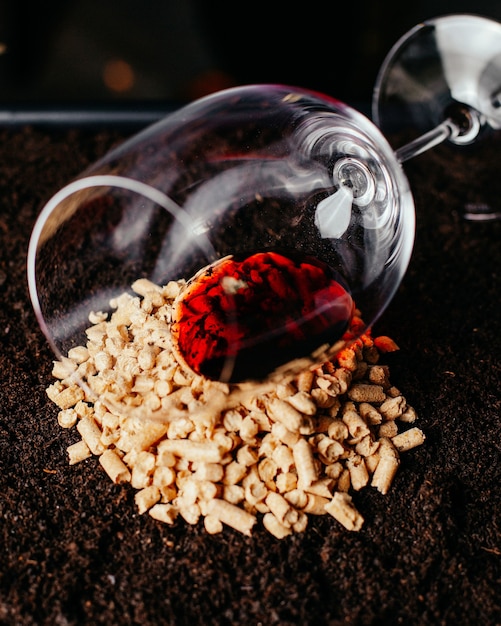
{"points": [[230, 454]]}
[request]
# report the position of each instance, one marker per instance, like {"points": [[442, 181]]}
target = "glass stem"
{"points": [[432, 138]]}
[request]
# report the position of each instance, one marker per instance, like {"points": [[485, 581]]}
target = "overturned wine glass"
{"points": [[283, 216], [441, 83]]}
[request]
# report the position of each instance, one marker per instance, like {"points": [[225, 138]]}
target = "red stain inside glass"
{"points": [[240, 319]]}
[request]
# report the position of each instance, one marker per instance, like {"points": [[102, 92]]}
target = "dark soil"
{"points": [[74, 550]]}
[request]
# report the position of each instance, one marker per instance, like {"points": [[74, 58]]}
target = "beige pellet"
{"points": [[379, 375], [297, 498], [248, 429], [388, 429], [97, 333], [268, 444], [330, 449], [321, 487], [143, 286], [165, 513], [409, 415], [362, 392], [232, 420], [82, 408], [146, 498], [393, 408], [301, 524], [207, 490], [181, 378], [64, 368], [338, 430], [127, 366], [286, 482], [114, 467], [233, 493], [163, 388], [344, 481], [262, 420], [304, 381], [408, 439], [91, 434], [67, 418], [275, 527], [316, 504], [169, 492], [146, 358], [190, 513], [212, 524], [67, 397], [103, 361], [77, 452], [320, 423], [281, 411], [333, 470], [355, 423], [234, 472], [285, 390], [359, 476], [180, 428], [348, 359], [142, 470], [208, 452], [78, 354], [344, 379], [163, 476], [283, 457], [367, 446], [255, 489], [369, 413], [267, 469], [96, 317], [387, 467], [231, 515], [166, 458], [328, 383], [143, 384], [371, 462], [281, 509], [172, 289], [322, 398], [213, 472], [282, 433], [247, 455], [143, 436], [305, 463], [341, 507], [303, 402]]}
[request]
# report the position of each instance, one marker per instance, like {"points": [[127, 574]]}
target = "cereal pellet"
{"points": [[274, 453]]}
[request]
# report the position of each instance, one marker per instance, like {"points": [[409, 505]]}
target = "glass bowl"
{"points": [[283, 212]]}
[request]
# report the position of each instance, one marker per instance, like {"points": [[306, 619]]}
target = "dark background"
{"points": [[89, 50]]}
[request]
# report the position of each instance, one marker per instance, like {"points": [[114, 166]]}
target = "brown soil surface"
{"points": [[74, 550]]}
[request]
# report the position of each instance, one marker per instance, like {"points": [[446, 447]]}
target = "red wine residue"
{"points": [[253, 314]]}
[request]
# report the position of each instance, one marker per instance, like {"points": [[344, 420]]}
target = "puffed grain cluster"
{"points": [[231, 455]]}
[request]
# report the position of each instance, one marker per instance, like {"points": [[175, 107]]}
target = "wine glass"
{"points": [[441, 82], [284, 216]]}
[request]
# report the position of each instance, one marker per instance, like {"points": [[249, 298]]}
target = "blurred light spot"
{"points": [[3, 48], [207, 82], [118, 75]]}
